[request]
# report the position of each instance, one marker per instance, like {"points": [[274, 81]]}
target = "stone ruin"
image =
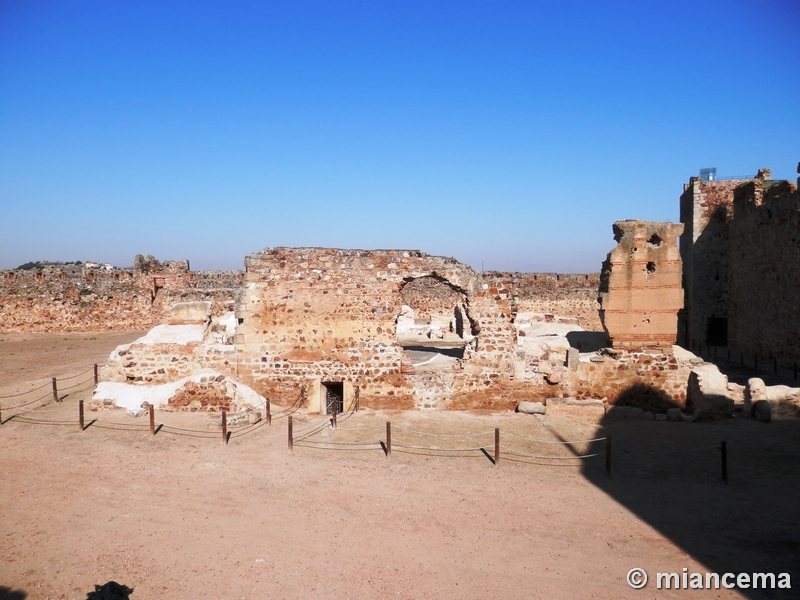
{"points": [[401, 329], [640, 290], [398, 329]]}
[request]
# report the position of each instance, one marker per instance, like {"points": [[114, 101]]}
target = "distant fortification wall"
{"points": [[566, 295], [80, 298]]}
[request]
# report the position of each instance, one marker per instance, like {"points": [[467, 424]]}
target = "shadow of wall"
{"points": [[669, 475]]}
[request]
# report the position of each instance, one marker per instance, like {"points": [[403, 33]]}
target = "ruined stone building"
{"points": [[84, 298], [641, 293], [741, 259]]}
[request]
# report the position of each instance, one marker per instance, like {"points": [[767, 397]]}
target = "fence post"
{"points": [[95, 374], [80, 415], [388, 439], [291, 439], [55, 390], [334, 417], [224, 427], [608, 455], [269, 414], [496, 446], [724, 450], [151, 410]]}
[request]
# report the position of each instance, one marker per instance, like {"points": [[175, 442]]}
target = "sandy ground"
{"points": [[181, 515]]}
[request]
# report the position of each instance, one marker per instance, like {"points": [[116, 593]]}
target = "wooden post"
{"points": [[269, 414], [496, 446], [80, 415], [151, 410], [55, 390], [291, 439], [388, 439], [95, 374], [608, 455], [724, 449], [224, 427]]}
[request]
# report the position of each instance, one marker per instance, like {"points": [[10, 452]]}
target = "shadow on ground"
{"points": [[669, 474], [9, 594]]}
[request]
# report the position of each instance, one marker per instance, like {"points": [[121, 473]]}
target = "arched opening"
{"points": [[434, 324]]}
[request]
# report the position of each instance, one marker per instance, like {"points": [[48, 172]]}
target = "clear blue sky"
{"points": [[512, 133]]}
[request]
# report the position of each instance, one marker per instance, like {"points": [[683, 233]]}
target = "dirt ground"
{"points": [[181, 515]]}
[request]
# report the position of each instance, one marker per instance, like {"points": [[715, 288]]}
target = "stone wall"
{"points": [[311, 315], [567, 295], [79, 298], [640, 293], [740, 258], [764, 276]]}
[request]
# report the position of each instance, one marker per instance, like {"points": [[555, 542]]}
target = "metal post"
{"points": [[291, 439], [95, 374], [224, 427], [608, 455], [334, 417], [388, 439], [496, 446], [152, 419], [724, 449], [269, 414], [55, 390], [80, 415]]}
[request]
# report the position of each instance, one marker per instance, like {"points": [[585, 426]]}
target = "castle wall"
{"points": [[78, 298], [764, 313], [740, 251]]}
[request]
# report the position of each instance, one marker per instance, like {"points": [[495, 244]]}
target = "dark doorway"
{"points": [[334, 397], [717, 331]]}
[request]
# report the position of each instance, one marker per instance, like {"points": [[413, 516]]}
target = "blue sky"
{"points": [[508, 134]]}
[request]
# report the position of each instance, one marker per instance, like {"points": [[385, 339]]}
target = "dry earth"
{"points": [[179, 516]]}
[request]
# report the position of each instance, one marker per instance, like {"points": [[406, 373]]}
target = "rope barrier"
{"points": [[435, 449], [381, 427], [77, 374], [512, 453], [145, 425], [303, 444], [48, 384], [48, 395], [490, 432], [343, 443], [23, 419], [84, 382], [506, 434]]}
